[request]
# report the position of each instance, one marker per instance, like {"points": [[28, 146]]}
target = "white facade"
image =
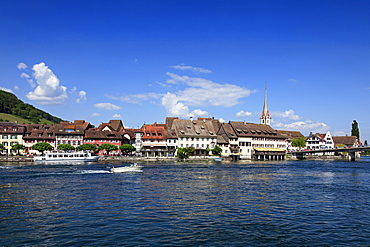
{"points": [[320, 141], [198, 143], [8, 140]]}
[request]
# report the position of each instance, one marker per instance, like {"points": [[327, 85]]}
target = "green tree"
{"points": [[184, 153], [127, 148], [108, 147], [355, 130], [17, 147], [85, 147], [300, 142], [217, 150], [41, 147], [2, 147], [65, 147], [181, 154]]}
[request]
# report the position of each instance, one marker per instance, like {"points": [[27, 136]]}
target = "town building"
{"points": [[291, 135], [71, 133], [112, 132], [35, 133], [200, 134], [253, 141], [346, 141], [320, 141], [11, 134], [154, 140]]}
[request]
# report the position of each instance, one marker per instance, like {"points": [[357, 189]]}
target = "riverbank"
{"points": [[110, 159], [154, 159]]}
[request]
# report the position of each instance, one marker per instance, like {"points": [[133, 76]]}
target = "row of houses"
{"points": [[236, 139], [241, 139]]}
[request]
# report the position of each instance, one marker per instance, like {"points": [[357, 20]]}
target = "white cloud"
{"points": [[116, 116], [243, 114], [198, 113], [48, 91], [25, 76], [28, 79], [16, 88], [293, 80], [107, 106], [82, 97], [339, 133], [193, 69], [6, 89], [286, 115], [221, 120], [96, 114], [137, 98], [304, 126], [21, 66], [205, 92], [173, 107], [197, 92]]}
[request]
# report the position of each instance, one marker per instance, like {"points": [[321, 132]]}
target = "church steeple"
{"points": [[265, 118]]}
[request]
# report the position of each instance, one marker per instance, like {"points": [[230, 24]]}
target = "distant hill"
{"points": [[13, 109]]}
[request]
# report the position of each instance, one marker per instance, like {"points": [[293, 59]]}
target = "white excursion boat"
{"points": [[67, 156], [132, 168]]}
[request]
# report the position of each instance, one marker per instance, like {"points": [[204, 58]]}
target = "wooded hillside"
{"points": [[10, 104]]}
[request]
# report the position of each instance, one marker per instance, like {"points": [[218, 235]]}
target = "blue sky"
{"points": [[141, 61]]}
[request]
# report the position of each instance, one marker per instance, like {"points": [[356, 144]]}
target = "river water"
{"points": [[288, 203]]}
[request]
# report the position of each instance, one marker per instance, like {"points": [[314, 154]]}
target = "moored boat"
{"points": [[132, 168], [58, 155]]}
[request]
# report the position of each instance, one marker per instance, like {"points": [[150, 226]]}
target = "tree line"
{"points": [[10, 104]]}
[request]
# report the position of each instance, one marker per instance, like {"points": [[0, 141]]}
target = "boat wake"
{"points": [[93, 171]]}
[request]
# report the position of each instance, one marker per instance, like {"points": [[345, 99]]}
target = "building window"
{"points": [[5, 136]]}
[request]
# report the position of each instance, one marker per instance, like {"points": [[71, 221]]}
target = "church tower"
{"points": [[265, 118]]}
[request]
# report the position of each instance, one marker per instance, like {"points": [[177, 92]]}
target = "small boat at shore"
{"points": [[217, 159], [132, 168], [84, 156]]}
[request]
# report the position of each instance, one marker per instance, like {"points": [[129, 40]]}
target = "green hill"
{"points": [[13, 109]]}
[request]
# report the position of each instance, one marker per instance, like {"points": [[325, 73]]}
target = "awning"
{"points": [[269, 149]]}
